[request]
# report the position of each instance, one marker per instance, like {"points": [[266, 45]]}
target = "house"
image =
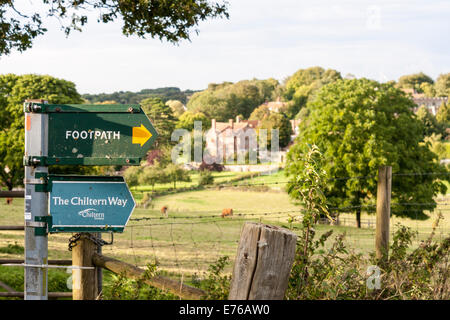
{"points": [[432, 104], [226, 139], [238, 138]]}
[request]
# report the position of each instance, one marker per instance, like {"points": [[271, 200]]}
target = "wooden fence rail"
{"points": [[12, 194], [132, 272], [11, 228]]}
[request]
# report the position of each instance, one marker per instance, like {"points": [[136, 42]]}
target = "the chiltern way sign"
{"points": [[89, 204], [96, 134]]}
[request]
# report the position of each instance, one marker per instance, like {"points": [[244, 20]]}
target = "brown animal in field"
{"points": [[164, 211], [227, 212], [9, 200]]}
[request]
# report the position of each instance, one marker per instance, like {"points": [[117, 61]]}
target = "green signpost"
{"points": [[69, 134], [95, 134]]}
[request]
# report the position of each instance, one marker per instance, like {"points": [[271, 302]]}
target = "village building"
{"points": [[237, 138], [431, 103]]}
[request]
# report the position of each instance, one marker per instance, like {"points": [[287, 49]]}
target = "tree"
{"points": [[414, 81], [14, 90], [304, 83], [175, 173], [151, 175], [167, 20], [177, 107], [260, 113], [187, 119], [428, 89], [227, 100], [280, 122], [360, 125], [162, 119], [443, 114], [442, 85], [430, 124], [131, 175]]}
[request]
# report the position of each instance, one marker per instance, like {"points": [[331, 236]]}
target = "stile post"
{"points": [[383, 212], [263, 263], [36, 205], [84, 281]]}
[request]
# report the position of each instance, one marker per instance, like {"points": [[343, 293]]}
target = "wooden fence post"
{"points": [[383, 212], [84, 281], [263, 263]]}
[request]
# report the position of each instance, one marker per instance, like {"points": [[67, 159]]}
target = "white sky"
{"points": [[381, 40]]}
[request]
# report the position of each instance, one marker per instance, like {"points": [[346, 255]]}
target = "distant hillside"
{"points": [[128, 97]]}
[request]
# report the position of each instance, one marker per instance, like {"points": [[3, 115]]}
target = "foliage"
{"points": [[438, 147], [217, 167], [228, 100], [187, 119], [166, 94], [12, 249], [14, 277], [131, 175], [442, 85], [166, 20], [428, 89], [176, 173], [14, 90], [306, 187], [277, 121], [361, 125], [443, 114], [151, 175], [162, 119], [216, 284], [260, 112], [414, 81], [206, 178], [176, 106], [338, 273], [122, 288], [430, 124], [303, 84]]}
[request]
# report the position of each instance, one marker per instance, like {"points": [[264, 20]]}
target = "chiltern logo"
{"points": [[92, 213]]}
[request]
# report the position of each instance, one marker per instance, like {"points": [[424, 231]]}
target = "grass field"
{"points": [[219, 177], [194, 235]]}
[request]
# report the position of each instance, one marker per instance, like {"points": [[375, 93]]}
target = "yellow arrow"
{"points": [[140, 135]]}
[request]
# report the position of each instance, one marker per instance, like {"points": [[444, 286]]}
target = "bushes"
{"points": [[340, 273], [206, 178]]}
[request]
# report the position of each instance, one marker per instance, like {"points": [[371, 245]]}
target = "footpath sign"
{"points": [[76, 134], [89, 204], [95, 134]]}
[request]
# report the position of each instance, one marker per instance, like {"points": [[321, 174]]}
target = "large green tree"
{"points": [[430, 124], [14, 90], [442, 85], [177, 107], [162, 118], [415, 81], [302, 85], [443, 114], [187, 121], [164, 19], [277, 121], [227, 100], [360, 125]]}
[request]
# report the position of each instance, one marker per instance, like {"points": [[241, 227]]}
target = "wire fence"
{"points": [[190, 243]]}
